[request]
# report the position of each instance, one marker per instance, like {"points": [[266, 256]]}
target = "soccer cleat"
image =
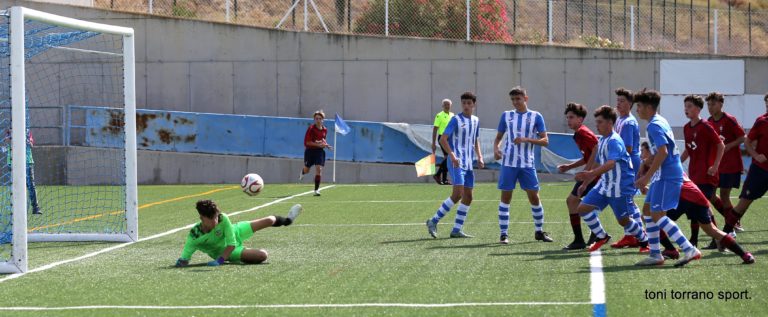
{"points": [[711, 246], [599, 243], [295, 211], [446, 182], [671, 254], [36, 211], [650, 261], [437, 179], [542, 236], [738, 227], [644, 249], [317, 193], [575, 245], [432, 228], [748, 258], [592, 238], [460, 234], [504, 239], [626, 242], [692, 255]]}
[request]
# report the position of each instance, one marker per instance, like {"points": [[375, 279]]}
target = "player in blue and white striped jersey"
{"points": [[629, 130], [460, 139], [616, 186], [524, 128]]}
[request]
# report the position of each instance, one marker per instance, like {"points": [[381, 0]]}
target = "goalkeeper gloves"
{"points": [[181, 262], [217, 262]]}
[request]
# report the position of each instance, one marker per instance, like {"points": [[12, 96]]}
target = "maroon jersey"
{"points": [[586, 141], [314, 134], [729, 130], [759, 133], [701, 143], [691, 193]]}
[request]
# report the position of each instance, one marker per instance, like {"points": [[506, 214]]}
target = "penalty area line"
{"points": [[152, 237], [360, 305]]}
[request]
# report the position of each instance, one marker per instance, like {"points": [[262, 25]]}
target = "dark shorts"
{"points": [[696, 213], [707, 189], [756, 184], [314, 157], [732, 180], [575, 189]]}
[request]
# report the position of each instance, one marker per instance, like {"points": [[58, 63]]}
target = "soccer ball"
{"points": [[252, 184]]}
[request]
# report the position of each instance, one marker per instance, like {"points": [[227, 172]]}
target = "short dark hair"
{"points": [[469, 96], [607, 112], [649, 97], [207, 208], [626, 93], [716, 96], [578, 109], [517, 91], [646, 145], [319, 113], [696, 100]]}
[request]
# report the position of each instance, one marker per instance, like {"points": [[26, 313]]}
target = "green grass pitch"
{"points": [[368, 244]]}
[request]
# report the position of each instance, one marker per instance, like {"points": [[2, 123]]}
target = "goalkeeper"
{"points": [[216, 236], [31, 190]]}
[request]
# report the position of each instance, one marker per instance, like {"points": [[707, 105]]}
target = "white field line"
{"points": [[169, 232], [597, 281], [360, 305]]}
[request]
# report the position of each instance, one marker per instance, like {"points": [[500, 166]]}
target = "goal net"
{"points": [[67, 132]]}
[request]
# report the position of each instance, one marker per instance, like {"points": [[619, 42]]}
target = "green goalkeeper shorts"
{"points": [[243, 231]]}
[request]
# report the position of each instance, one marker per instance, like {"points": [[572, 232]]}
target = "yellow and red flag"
{"points": [[426, 166]]}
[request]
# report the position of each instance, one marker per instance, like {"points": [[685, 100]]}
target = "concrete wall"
{"points": [[221, 68]]}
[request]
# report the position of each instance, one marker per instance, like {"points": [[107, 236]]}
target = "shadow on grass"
{"points": [[546, 255], [57, 245], [468, 246], [413, 240]]}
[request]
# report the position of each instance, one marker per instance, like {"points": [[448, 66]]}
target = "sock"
{"points": [[593, 222], [718, 204], [636, 230], [731, 218], [664, 239], [503, 218], [282, 221], [653, 237], [538, 217], [444, 209], [694, 233], [674, 233], [729, 243], [635, 215], [576, 227], [461, 215], [317, 182]]}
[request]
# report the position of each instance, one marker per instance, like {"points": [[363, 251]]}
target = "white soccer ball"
{"points": [[252, 184]]}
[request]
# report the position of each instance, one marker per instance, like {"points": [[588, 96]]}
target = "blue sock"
{"points": [[503, 218], [593, 222], [461, 215], [674, 233], [538, 217], [444, 209]]}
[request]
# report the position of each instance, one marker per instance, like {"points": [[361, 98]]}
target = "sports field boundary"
{"points": [[273, 306], [152, 237]]}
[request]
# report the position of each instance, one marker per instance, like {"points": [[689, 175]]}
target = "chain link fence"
{"points": [[671, 25]]}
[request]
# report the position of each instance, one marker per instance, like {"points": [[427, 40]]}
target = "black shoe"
{"points": [[504, 239], [36, 211], [712, 245], [576, 245], [542, 236], [446, 182], [437, 179], [592, 238]]}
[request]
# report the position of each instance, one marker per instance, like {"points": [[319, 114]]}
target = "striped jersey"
{"points": [[660, 134], [629, 131], [462, 132], [619, 180], [520, 125]]}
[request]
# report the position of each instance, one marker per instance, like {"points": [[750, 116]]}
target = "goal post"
{"points": [[93, 195]]}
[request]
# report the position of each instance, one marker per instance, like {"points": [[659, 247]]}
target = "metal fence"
{"points": [[671, 25]]}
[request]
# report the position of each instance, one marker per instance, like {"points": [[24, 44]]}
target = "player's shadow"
{"points": [[630, 267], [411, 240], [469, 246], [203, 267], [545, 255]]}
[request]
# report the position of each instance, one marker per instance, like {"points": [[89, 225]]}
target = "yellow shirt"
{"points": [[441, 121]]}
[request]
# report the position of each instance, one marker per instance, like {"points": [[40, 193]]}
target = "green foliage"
{"points": [[596, 41], [180, 10], [437, 19]]}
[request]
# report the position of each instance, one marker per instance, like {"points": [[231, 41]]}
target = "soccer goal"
{"points": [[74, 177]]}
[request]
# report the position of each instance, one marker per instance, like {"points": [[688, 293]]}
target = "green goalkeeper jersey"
{"points": [[212, 243]]}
